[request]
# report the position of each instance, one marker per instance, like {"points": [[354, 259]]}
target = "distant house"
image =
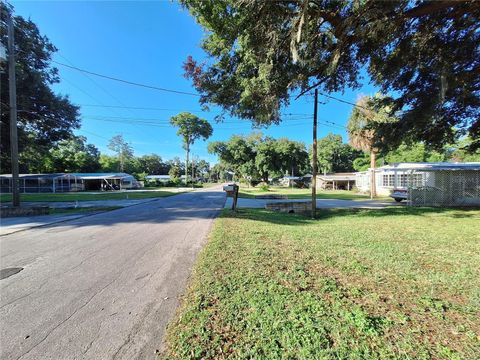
{"points": [[289, 180], [158, 178], [428, 184], [107, 181], [295, 181], [337, 181], [62, 182]]}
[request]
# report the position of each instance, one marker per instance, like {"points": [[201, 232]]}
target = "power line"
{"points": [[167, 121], [172, 109], [342, 101], [239, 127], [92, 133], [125, 81], [137, 107], [96, 84]]}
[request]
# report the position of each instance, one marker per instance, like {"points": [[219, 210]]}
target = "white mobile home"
{"points": [[428, 184], [62, 182]]}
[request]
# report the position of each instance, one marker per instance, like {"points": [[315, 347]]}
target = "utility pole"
{"points": [[314, 157], [13, 114]]}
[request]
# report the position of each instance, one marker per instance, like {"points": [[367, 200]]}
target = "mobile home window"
{"points": [[416, 179], [388, 180]]}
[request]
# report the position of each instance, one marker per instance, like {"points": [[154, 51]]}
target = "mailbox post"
{"points": [[232, 191]]}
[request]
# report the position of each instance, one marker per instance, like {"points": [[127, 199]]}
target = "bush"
{"points": [[264, 187]]}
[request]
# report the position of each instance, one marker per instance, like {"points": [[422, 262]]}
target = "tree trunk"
{"points": [[186, 164], [193, 172], [373, 183]]}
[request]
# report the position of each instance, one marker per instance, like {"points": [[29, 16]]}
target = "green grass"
{"points": [[82, 210], [121, 195], [367, 284], [294, 193]]}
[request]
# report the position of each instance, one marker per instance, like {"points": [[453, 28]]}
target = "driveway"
{"points": [[321, 203], [102, 286]]}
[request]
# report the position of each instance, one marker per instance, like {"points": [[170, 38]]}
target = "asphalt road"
{"points": [[103, 286]]}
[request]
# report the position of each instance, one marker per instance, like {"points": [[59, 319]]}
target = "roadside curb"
{"points": [[75, 217]]}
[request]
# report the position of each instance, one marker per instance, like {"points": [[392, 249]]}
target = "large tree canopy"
{"points": [[335, 156], [44, 118], [255, 157], [73, 155], [425, 52]]}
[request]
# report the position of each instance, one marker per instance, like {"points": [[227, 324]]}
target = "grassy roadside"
{"points": [[365, 284], [121, 195], [294, 193], [82, 210]]}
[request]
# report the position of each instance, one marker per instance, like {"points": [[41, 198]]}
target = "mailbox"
{"points": [[228, 188], [232, 191]]}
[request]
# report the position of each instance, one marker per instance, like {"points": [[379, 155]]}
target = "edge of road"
{"points": [[57, 219]]}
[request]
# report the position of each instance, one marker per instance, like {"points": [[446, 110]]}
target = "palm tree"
{"points": [[361, 134]]}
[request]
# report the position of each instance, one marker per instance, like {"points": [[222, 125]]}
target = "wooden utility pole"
{"points": [[13, 114], [314, 157]]}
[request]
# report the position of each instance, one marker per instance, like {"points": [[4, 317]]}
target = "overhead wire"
{"points": [[133, 83]]}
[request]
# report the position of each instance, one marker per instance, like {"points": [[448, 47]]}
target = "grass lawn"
{"points": [[78, 196], [368, 284], [294, 193]]}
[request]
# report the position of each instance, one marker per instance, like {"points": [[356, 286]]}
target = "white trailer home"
{"points": [[428, 184]]}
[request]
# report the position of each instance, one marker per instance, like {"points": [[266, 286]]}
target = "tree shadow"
{"points": [[282, 218], [209, 204]]}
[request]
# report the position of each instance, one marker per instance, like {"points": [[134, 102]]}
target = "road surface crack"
{"points": [[70, 316]]}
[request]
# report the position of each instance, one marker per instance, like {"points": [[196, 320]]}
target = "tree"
{"points": [[425, 52], [414, 153], [109, 163], [365, 116], [44, 118], [268, 160], [293, 156], [217, 173], [238, 154], [176, 161], [335, 156], [174, 173], [202, 168], [255, 157], [73, 155], [460, 152], [124, 151], [152, 164], [190, 129], [362, 163]]}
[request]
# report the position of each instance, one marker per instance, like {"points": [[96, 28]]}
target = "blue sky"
{"points": [[147, 42]]}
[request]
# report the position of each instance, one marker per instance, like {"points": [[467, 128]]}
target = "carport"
{"points": [[42, 183]]}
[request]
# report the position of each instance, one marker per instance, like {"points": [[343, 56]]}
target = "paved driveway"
{"points": [[103, 286]]}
